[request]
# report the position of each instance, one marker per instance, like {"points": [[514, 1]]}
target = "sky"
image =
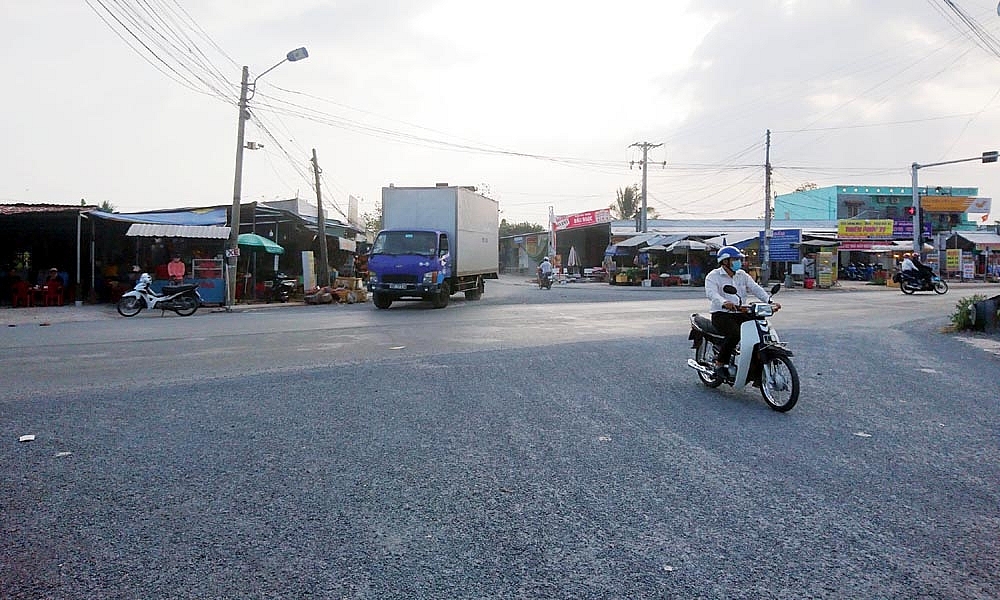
{"points": [[539, 104]]}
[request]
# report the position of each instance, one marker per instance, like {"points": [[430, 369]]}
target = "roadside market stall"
{"points": [[200, 246]]}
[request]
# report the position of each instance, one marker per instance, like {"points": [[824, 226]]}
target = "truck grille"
{"points": [[399, 279]]}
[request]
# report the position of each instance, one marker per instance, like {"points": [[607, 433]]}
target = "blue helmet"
{"points": [[728, 252]]}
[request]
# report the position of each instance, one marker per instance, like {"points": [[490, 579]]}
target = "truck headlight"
{"points": [[430, 277], [372, 277]]}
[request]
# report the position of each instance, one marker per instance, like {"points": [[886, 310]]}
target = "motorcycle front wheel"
{"points": [[705, 356], [780, 383], [940, 287], [129, 306], [185, 306]]}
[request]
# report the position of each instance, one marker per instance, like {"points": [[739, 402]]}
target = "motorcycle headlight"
{"points": [[763, 310], [430, 277]]}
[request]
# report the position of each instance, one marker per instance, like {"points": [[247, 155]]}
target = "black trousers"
{"points": [[728, 324]]}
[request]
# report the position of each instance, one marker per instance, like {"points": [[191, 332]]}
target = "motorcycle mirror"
{"points": [[775, 289], [729, 289]]}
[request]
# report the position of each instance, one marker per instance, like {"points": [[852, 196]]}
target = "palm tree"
{"points": [[629, 203]]}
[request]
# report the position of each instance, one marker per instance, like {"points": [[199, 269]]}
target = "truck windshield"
{"points": [[423, 243]]}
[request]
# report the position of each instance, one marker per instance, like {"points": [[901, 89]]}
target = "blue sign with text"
{"points": [[780, 249]]}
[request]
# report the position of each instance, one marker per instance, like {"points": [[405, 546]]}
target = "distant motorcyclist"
{"points": [[544, 270], [727, 314], [909, 269], [925, 272]]}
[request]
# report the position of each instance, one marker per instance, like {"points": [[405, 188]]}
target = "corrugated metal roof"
{"points": [[23, 209], [178, 231], [986, 239]]}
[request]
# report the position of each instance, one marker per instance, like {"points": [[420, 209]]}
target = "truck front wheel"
{"points": [[441, 299], [381, 300]]}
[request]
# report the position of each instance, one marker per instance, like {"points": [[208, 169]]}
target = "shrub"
{"points": [[962, 317]]}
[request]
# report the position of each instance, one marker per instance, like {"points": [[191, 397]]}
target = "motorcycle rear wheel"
{"points": [[185, 306], [779, 383], [129, 306], [905, 287], [941, 287], [704, 356]]}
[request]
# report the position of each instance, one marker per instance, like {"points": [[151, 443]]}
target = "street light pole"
{"points": [[986, 157], [233, 250]]}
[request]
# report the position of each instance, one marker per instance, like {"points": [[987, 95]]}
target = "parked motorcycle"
{"points": [[760, 359], [183, 299], [909, 283], [282, 287]]}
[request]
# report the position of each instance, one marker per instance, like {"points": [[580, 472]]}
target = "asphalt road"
{"points": [[535, 444]]}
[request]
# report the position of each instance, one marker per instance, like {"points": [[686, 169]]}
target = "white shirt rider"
{"points": [[545, 267], [741, 280]]}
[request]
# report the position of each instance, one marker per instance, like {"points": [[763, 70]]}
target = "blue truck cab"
{"points": [[409, 264]]}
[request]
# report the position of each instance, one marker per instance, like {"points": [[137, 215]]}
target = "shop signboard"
{"points": [[865, 229], [968, 269], [583, 219], [955, 204], [902, 229], [953, 259], [780, 249], [826, 266]]}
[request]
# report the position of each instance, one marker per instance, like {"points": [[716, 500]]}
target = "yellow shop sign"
{"points": [[868, 229]]}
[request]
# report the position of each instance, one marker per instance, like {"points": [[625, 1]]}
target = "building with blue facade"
{"points": [[869, 202]]}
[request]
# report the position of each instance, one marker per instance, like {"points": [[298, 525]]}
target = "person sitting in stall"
{"points": [[54, 279], [176, 270]]}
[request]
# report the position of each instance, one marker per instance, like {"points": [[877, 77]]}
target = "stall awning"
{"points": [[191, 216], [642, 238], [984, 240], [178, 231]]}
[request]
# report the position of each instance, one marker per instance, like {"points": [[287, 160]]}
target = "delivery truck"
{"points": [[435, 242]]}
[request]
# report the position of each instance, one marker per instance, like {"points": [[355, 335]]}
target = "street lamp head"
{"points": [[297, 54]]}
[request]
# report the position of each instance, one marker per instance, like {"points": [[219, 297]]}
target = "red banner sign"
{"points": [[584, 219]]}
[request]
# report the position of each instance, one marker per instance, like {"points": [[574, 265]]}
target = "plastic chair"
{"points": [[54, 295], [21, 294]]}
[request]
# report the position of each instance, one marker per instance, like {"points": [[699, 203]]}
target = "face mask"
{"points": [[736, 265]]}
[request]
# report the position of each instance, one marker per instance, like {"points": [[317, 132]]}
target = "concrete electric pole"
{"points": [[765, 250], [233, 249], [646, 146], [324, 261]]}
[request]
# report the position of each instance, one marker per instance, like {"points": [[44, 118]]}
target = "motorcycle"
{"points": [[282, 287], [909, 283], [545, 281], [183, 299], [760, 358]]}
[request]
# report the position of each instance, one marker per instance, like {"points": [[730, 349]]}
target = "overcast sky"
{"points": [[536, 101]]}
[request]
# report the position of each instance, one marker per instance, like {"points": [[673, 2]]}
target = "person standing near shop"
{"points": [[727, 313], [176, 270]]}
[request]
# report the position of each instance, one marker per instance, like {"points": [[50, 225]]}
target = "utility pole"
{"points": [[765, 252], [646, 146], [233, 251], [324, 269]]}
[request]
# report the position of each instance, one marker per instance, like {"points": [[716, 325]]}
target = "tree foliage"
{"points": [[519, 228], [373, 221], [629, 203]]}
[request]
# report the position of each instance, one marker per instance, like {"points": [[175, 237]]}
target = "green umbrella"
{"points": [[252, 240]]}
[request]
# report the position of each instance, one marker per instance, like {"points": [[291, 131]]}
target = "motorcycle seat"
{"points": [[704, 324], [170, 290]]}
